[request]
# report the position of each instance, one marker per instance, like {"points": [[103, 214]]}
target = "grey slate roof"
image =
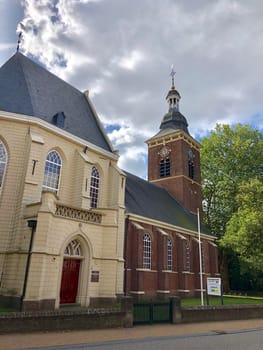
{"points": [[154, 202], [27, 88], [173, 119]]}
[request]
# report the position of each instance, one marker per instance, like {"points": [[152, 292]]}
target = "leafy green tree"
{"points": [[229, 157], [244, 231]]}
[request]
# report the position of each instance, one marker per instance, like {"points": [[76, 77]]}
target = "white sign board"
{"points": [[214, 286]]}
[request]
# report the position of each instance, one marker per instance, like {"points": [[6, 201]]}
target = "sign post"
{"points": [[214, 287]]}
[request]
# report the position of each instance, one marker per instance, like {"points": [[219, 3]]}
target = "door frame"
{"points": [[82, 297]]}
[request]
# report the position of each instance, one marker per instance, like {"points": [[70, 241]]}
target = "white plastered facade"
{"points": [[60, 217]]}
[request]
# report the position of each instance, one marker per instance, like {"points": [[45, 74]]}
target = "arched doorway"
{"points": [[70, 273]]}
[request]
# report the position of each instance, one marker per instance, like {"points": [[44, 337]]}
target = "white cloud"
{"points": [[122, 51], [140, 97], [131, 60], [133, 159], [122, 136]]}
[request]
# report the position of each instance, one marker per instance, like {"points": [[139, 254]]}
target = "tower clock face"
{"points": [[164, 152]]}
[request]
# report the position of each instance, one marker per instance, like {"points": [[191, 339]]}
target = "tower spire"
{"points": [[173, 119], [172, 74]]}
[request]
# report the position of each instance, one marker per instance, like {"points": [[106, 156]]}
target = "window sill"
{"points": [[169, 271], [31, 183]]}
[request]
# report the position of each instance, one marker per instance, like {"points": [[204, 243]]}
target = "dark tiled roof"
{"points": [[154, 202], [173, 119], [173, 92], [27, 88]]}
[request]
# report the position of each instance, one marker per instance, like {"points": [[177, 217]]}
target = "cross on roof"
{"points": [[172, 74], [22, 28]]}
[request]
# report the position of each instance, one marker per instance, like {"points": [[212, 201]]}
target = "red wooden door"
{"points": [[69, 281]]}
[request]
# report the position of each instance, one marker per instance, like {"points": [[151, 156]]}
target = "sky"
{"points": [[122, 52]]}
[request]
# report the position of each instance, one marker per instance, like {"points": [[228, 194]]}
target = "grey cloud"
{"points": [[215, 46]]}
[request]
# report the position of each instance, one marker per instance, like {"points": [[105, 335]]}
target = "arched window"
{"points": [[147, 251], [3, 163], [191, 168], [162, 166], [94, 187], [165, 167], [73, 249], [187, 256], [52, 171], [169, 255]]}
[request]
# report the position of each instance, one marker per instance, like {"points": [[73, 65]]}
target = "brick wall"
{"points": [[178, 183], [57, 321], [150, 283], [26, 322], [221, 313], [213, 313]]}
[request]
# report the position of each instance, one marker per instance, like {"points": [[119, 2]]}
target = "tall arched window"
{"points": [[94, 187], [191, 167], [169, 255], [165, 167], [3, 163], [147, 251], [187, 256], [52, 171], [162, 168]]}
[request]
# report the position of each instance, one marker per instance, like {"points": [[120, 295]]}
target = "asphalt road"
{"points": [[250, 339]]}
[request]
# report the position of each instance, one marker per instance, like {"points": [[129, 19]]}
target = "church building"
{"points": [[74, 227], [61, 194], [162, 216]]}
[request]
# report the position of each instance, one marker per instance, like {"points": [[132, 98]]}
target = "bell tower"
{"points": [[174, 156]]}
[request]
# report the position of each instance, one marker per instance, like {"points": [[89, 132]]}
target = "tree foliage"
{"points": [[229, 157], [232, 164], [244, 231]]}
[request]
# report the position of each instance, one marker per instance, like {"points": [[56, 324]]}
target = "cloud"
{"points": [[6, 46], [130, 61], [122, 51], [132, 148]]}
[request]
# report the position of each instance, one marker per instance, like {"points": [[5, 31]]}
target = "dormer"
{"points": [[59, 119]]}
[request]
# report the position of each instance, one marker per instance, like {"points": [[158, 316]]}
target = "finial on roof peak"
{"points": [[20, 28], [172, 74]]}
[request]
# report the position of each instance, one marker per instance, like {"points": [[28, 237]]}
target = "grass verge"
{"points": [[7, 309], [227, 300]]}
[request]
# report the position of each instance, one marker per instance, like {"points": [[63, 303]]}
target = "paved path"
{"points": [[22, 341]]}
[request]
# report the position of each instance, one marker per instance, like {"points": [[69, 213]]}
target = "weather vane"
{"points": [[172, 74], [21, 28]]}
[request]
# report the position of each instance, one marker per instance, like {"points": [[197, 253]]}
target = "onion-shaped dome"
{"points": [[173, 119]]}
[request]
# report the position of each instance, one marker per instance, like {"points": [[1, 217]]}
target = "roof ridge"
{"points": [[43, 67], [26, 87], [20, 62]]}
